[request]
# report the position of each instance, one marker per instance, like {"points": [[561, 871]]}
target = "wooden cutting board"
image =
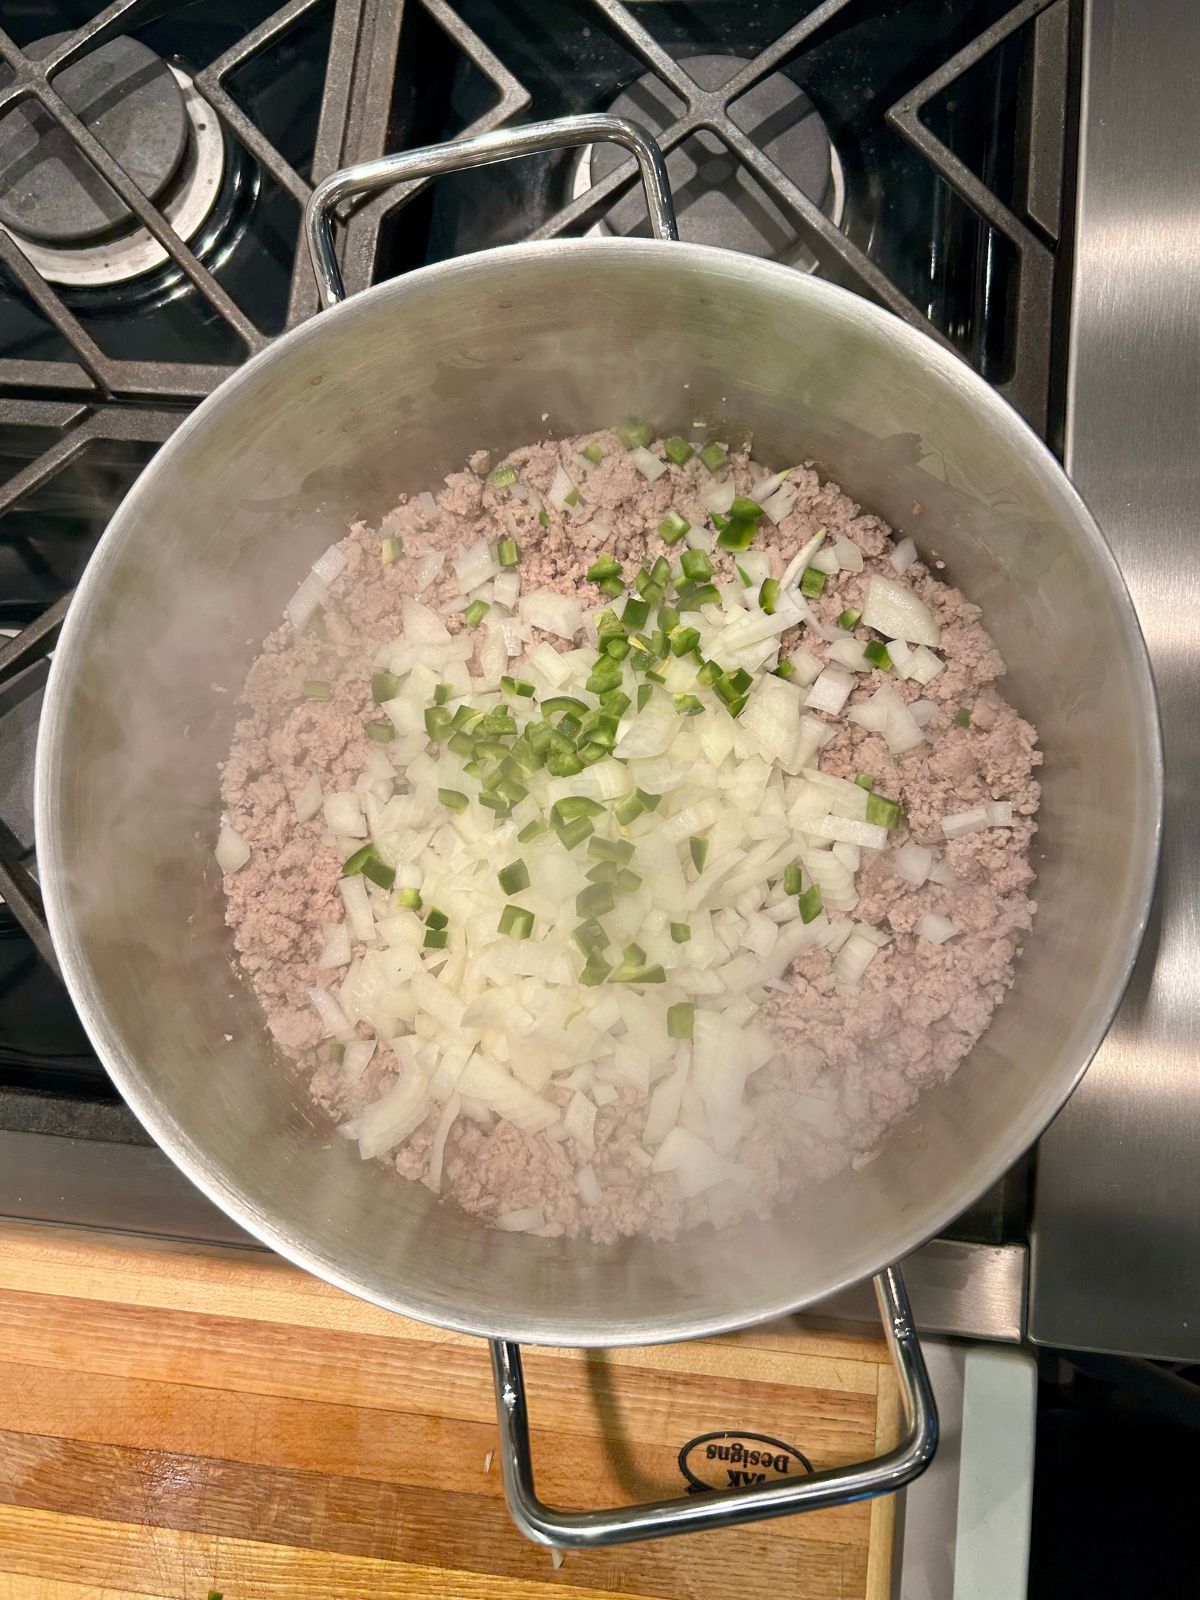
{"points": [[175, 1421]]}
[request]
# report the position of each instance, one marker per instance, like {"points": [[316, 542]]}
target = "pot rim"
{"points": [[175, 1140]]}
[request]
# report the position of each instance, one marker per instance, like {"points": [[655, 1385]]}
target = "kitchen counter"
{"points": [[178, 1419]]}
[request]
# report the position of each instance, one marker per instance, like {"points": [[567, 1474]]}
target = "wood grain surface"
{"points": [[175, 1421]]}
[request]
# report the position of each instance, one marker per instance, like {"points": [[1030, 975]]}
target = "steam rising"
{"points": [[389, 393]]}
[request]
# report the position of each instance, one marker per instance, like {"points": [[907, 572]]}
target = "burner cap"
{"points": [[718, 201], [129, 99]]}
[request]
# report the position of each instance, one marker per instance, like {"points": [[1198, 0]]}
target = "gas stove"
{"points": [[154, 162]]}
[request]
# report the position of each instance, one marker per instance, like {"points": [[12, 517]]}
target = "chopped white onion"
{"points": [[488, 1081], [516, 632], [526, 1219], [436, 998], [343, 814], [778, 505], [853, 959], [1000, 814], [307, 598], [766, 487], [437, 1150], [555, 613], [824, 793], [333, 1019], [772, 720], [837, 934], [756, 564], [744, 631], [960, 823], [850, 855], [358, 908], [427, 568], [870, 835], [579, 1120], [870, 714], [901, 654], [721, 1065], [650, 467], [893, 609], [807, 667], [307, 801], [475, 566], [665, 1101], [506, 589], [850, 557], [400, 1111], [493, 656], [830, 691], [330, 565], [718, 497], [796, 567], [851, 654], [421, 625], [696, 1165], [546, 662], [357, 1058], [232, 851], [935, 928], [588, 1185], [650, 734], [900, 730], [826, 561], [903, 556], [335, 950], [814, 734], [912, 863], [560, 488], [924, 666]]}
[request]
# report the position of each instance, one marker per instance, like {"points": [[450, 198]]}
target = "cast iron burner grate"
{"points": [[351, 116], [930, 177]]}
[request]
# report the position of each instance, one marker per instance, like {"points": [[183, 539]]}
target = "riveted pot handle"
{"points": [[503, 145], [583, 1530]]}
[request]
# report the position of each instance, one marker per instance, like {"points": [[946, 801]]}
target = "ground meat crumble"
{"points": [[866, 1055]]}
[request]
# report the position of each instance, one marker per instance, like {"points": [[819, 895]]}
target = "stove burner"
{"points": [[127, 97], [73, 228], [718, 201]]}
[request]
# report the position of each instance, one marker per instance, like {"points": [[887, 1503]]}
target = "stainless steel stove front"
{"points": [[1116, 1242]]}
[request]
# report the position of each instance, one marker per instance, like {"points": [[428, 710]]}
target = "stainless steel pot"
{"points": [[387, 392]]}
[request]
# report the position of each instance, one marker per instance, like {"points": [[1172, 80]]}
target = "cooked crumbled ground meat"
{"points": [[859, 1058]]}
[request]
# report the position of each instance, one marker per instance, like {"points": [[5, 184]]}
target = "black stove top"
{"points": [[155, 159]]}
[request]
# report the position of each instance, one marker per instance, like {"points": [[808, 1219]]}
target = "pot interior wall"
{"points": [[389, 392]]}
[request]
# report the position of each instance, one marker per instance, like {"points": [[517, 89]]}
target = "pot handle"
{"points": [[585, 1530], [503, 145]]}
